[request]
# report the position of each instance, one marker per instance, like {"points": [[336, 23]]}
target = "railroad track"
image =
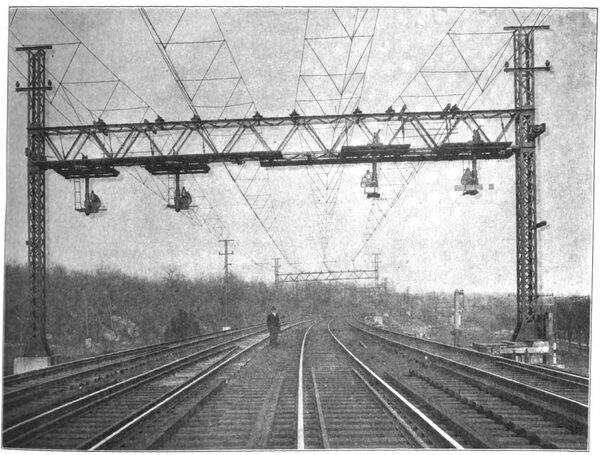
{"points": [[314, 391], [32, 392], [560, 383], [346, 405], [496, 411], [261, 403], [79, 423], [245, 403], [31, 378]]}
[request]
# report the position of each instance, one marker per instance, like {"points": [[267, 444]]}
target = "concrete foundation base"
{"points": [[24, 364]]}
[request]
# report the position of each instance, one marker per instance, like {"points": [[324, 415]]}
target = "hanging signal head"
{"points": [[91, 203], [182, 199]]}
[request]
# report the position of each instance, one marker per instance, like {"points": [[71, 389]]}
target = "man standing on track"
{"points": [[274, 326]]}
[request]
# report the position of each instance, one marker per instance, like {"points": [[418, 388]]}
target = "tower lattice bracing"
{"points": [[37, 345], [526, 131]]}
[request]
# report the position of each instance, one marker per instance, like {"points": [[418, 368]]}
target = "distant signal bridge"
{"points": [[329, 275]]}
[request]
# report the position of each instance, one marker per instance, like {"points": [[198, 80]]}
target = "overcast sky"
{"points": [[433, 239]]}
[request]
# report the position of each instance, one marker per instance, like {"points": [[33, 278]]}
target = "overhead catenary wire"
{"points": [[24, 76], [156, 190], [46, 95], [501, 70], [372, 226], [326, 180], [167, 59], [65, 92], [190, 98], [267, 229], [99, 59], [475, 78], [428, 57], [468, 91], [468, 99]]}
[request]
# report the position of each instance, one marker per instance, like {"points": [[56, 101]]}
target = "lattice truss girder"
{"points": [[277, 135]]}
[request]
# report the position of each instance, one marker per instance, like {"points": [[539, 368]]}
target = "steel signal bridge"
{"points": [[99, 149]]}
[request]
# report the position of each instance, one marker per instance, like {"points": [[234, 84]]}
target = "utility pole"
{"points": [[226, 255]]}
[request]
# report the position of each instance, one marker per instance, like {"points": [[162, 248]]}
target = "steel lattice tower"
{"points": [[526, 131], [37, 346]]}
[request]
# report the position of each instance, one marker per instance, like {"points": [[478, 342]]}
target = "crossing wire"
{"points": [[499, 54]]}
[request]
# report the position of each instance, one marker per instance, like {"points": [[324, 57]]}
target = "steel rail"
{"points": [[413, 409], [300, 407]]}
